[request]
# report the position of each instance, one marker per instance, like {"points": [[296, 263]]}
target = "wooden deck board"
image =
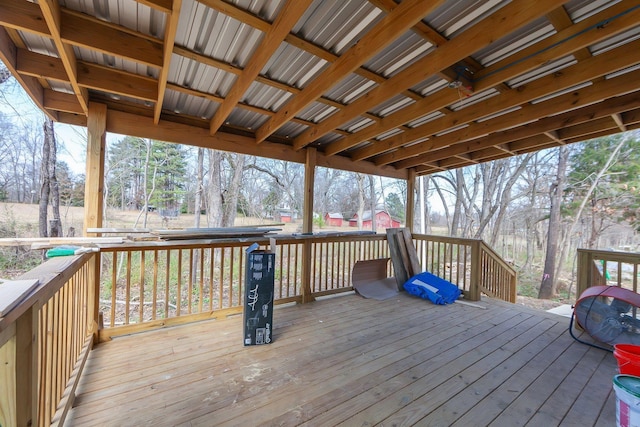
{"points": [[353, 361]]}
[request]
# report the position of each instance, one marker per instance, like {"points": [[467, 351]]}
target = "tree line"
{"points": [[534, 209]]}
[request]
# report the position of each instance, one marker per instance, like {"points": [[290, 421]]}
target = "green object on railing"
{"points": [[61, 251]]}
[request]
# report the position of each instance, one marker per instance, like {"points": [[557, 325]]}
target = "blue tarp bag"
{"points": [[429, 286]]}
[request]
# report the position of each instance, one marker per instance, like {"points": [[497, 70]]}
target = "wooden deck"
{"points": [[353, 361]]}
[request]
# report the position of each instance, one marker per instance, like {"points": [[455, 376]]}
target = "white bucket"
{"points": [[627, 388]]}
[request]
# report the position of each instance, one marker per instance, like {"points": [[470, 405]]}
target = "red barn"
{"points": [[383, 220], [333, 219]]}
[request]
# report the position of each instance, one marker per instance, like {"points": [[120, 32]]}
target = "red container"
{"points": [[628, 357]]}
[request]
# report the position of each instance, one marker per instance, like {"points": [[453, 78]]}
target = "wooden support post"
{"points": [[410, 205], [94, 181], [94, 201], [583, 276], [476, 271], [307, 222]]}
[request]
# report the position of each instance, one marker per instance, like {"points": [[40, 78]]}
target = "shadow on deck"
{"points": [[353, 361]]}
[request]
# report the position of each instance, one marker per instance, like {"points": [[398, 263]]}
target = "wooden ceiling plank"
{"points": [[591, 94], [52, 15], [289, 15], [532, 130], [431, 104], [385, 32], [497, 25], [92, 34], [9, 56], [171, 27], [613, 60]]}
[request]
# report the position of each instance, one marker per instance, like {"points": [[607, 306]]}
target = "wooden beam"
{"points": [[576, 37], [9, 56], [553, 135], [117, 82], [171, 27], [530, 112], [23, 15], [61, 101], [287, 18], [618, 119], [577, 74], [93, 34], [40, 66], [532, 131], [94, 178], [569, 77], [410, 205], [309, 179], [160, 5], [52, 16], [497, 25], [387, 30]]}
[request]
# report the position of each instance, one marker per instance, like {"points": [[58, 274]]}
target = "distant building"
{"points": [[285, 216], [383, 220], [333, 219]]}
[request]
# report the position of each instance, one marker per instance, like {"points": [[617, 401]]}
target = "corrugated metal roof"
{"points": [[215, 40]]}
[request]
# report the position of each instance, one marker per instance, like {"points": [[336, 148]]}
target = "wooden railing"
{"points": [[146, 285], [44, 342], [596, 267], [468, 263]]}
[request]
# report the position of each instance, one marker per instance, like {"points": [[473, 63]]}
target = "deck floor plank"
{"points": [[352, 361]]}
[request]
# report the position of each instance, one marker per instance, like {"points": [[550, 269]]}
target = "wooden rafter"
{"points": [[572, 76], [511, 17], [287, 18], [52, 16], [578, 116], [578, 35], [169, 39], [389, 28]]}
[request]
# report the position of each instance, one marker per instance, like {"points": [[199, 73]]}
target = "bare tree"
{"points": [[548, 283], [49, 190]]}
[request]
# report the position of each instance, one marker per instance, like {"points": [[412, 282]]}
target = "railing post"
{"points": [[18, 371], [476, 271], [93, 297], [27, 367], [583, 275], [306, 271]]}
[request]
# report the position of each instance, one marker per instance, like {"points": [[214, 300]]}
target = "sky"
{"points": [[72, 140]]}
